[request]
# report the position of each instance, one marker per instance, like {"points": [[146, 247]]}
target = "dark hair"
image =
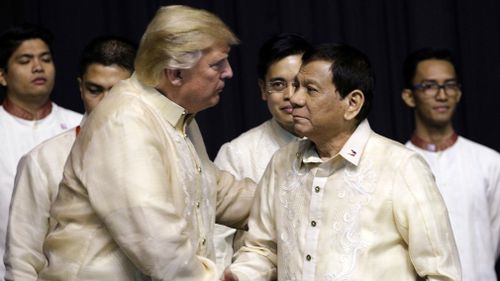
{"points": [[107, 51], [351, 70], [14, 36], [414, 58], [279, 47]]}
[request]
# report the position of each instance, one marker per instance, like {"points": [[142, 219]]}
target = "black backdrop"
{"points": [[386, 30]]}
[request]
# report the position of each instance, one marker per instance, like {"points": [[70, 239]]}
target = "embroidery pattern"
{"points": [[358, 189], [289, 195]]}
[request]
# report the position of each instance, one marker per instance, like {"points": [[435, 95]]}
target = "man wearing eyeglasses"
{"points": [[247, 156], [467, 173]]}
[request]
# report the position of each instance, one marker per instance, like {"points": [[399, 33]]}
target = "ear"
{"points": [[408, 98], [80, 86], [262, 88], [174, 76], [3, 81], [355, 101], [459, 96]]}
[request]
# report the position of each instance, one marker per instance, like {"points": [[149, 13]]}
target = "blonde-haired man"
{"points": [[138, 196]]}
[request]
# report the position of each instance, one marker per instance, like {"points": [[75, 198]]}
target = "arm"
{"points": [[29, 222], [422, 220], [234, 199], [257, 259], [128, 169]]}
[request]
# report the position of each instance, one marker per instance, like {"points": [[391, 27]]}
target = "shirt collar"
{"points": [[432, 147], [175, 114], [20, 112], [352, 149]]}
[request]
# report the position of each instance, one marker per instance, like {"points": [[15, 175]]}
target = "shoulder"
{"points": [[67, 114], [254, 134], [477, 148], [58, 146], [247, 140]]}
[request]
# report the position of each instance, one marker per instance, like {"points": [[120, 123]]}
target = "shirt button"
{"points": [[317, 189], [203, 241], [308, 257], [313, 223], [197, 204], [198, 168]]}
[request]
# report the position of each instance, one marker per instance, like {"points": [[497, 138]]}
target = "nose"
{"points": [[441, 94], [297, 97], [37, 65], [228, 71]]}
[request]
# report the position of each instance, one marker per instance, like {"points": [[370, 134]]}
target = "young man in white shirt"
{"points": [[467, 173], [27, 116], [104, 62]]}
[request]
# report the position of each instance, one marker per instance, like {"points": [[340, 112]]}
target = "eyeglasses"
{"points": [[279, 86], [431, 88]]}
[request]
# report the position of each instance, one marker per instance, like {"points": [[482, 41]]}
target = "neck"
{"points": [[436, 134], [29, 110]]}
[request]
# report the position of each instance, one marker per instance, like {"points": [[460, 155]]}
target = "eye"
{"points": [[278, 85], [218, 65], [429, 86], [95, 90], [311, 90], [452, 85], [47, 58], [23, 60]]}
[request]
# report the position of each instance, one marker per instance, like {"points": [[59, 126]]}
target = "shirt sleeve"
{"points": [[234, 199], [257, 259], [423, 222], [29, 222], [126, 170]]}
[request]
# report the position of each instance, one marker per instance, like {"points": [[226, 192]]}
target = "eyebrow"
{"points": [[31, 55]]}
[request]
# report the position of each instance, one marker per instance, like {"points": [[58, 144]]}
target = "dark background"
{"points": [[386, 30]]}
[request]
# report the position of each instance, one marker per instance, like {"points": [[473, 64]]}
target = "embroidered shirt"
{"points": [[138, 195], [246, 157], [372, 212]]}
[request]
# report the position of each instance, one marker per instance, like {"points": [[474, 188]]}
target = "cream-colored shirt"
{"points": [[468, 176], [37, 182], [139, 195], [246, 157], [371, 213]]}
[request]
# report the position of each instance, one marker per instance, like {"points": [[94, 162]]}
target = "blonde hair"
{"points": [[175, 39]]}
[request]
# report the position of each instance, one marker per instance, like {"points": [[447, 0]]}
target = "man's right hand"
{"points": [[229, 276]]}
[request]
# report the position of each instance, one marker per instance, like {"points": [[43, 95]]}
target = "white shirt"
{"points": [[37, 182], [468, 176], [246, 157], [371, 213], [17, 137]]}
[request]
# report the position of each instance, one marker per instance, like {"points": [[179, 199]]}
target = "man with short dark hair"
{"points": [[467, 173], [345, 203], [104, 62], [27, 116], [247, 156]]}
